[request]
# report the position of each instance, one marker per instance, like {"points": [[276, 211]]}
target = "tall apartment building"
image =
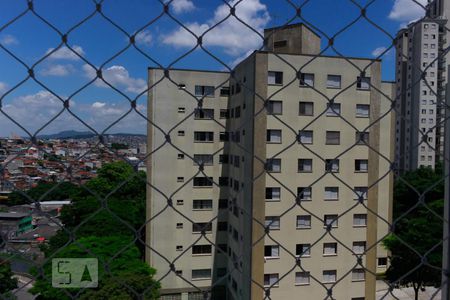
{"points": [[302, 190], [420, 93]]}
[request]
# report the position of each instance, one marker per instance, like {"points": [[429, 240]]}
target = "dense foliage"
{"points": [[418, 231], [104, 216]]}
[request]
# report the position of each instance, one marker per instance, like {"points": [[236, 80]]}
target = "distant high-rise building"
{"points": [[420, 89], [300, 189]]}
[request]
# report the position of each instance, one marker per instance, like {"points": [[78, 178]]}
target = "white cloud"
{"points": [[119, 77], [3, 87], [233, 36], [9, 40], [144, 38], [66, 53], [407, 10], [378, 51], [58, 70], [181, 6], [32, 111], [98, 104]]}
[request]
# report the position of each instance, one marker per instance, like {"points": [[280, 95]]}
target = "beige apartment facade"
{"points": [[307, 183]]}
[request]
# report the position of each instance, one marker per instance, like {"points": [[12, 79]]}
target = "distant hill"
{"points": [[72, 134]]}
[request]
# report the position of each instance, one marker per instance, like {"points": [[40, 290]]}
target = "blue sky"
{"points": [[163, 40]]}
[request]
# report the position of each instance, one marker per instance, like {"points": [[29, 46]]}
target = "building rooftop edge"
{"points": [[292, 25]]}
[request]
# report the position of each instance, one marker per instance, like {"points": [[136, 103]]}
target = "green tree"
{"points": [[7, 282], [65, 190], [419, 232], [118, 258]]}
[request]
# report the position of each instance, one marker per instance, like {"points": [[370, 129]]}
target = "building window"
{"points": [[181, 110], [201, 249], [224, 114], [362, 138], [272, 222], [273, 136], [223, 203], [382, 261], [334, 81], [224, 91], [237, 112], [201, 274], [329, 249], [205, 159], [180, 156], [303, 250], [358, 275], [181, 86], [329, 276], [223, 158], [306, 108], [204, 90], [271, 279], [361, 165], [359, 220], [274, 165], [274, 107], [199, 227], [304, 222], [304, 193], [360, 192], [330, 219], [180, 179], [204, 114], [179, 225], [305, 165], [273, 193], [202, 182], [307, 79], [224, 136], [362, 110], [333, 138], [359, 247], [332, 165], [331, 193], [363, 83], [224, 181], [272, 251], [181, 133], [333, 110], [305, 136], [203, 136], [302, 278], [279, 44], [275, 77], [202, 204], [179, 248]]}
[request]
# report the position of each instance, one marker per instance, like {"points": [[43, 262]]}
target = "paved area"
{"points": [[405, 293], [24, 285]]}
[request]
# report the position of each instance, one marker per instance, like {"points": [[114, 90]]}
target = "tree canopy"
{"points": [[418, 233]]}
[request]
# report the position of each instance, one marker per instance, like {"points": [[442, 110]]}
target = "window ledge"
{"points": [[358, 280], [303, 228], [359, 226], [302, 284], [275, 84], [332, 144], [271, 257], [303, 256], [328, 255], [362, 116], [273, 200], [304, 171], [203, 254], [203, 187], [199, 279], [331, 199], [202, 209], [306, 115], [361, 171], [204, 142], [268, 142], [362, 89], [333, 88]]}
